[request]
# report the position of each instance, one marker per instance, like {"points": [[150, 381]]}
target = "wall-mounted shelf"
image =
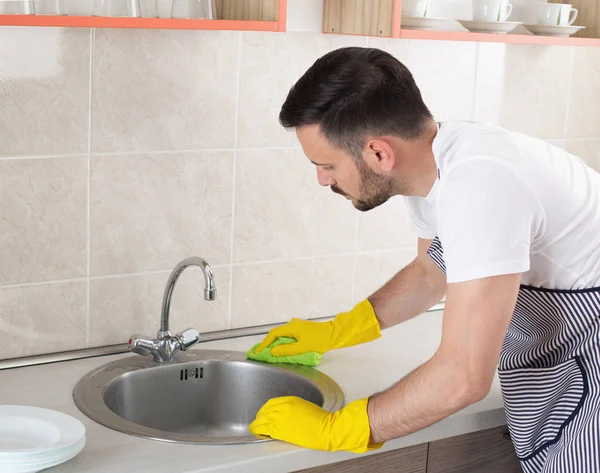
{"points": [[160, 23], [497, 38], [273, 14], [383, 18]]}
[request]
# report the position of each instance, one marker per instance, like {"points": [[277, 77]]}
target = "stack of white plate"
{"points": [[33, 439]]}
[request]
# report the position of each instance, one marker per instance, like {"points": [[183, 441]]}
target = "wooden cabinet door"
{"points": [[487, 451], [255, 10], [361, 17], [405, 460]]}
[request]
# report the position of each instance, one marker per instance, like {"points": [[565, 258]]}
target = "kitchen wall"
{"points": [[123, 152]]}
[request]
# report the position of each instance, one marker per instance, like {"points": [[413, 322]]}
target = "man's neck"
{"points": [[421, 166]]}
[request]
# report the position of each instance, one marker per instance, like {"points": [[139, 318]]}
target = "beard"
{"points": [[374, 189]]}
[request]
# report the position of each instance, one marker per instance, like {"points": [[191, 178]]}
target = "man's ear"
{"points": [[380, 155]]}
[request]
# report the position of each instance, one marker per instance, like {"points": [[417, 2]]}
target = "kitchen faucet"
{"points": [[166, 345]]}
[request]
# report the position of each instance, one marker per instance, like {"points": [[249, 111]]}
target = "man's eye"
{"points": [[327, 168]]}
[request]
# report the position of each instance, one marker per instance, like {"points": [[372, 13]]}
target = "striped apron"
{"points": [[549, 371]]}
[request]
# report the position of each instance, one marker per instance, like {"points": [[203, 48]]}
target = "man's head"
{"points": [[353, 112]]}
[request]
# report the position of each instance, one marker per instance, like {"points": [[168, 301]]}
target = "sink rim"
{"points": [[89, 390]]}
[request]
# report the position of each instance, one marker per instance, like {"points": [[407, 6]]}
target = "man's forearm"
{"points": [[409, 293], [461, 372], [429, 394]]}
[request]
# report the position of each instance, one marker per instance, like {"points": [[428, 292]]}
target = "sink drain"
{"points": [[186, 374]]}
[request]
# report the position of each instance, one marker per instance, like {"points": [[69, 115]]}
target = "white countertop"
{"points": [[360, 371]]}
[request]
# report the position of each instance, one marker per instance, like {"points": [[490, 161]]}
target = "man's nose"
{"points": [[324, 178]]}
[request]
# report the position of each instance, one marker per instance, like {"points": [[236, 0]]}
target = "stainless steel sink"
{"points": [[202, 397], [169, 393]]}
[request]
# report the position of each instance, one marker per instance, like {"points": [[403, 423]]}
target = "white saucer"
{"points": [[551, 30], [422, 23], [498, 27]]}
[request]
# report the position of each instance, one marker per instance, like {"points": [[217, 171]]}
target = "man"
{"points": [[509, 230]]}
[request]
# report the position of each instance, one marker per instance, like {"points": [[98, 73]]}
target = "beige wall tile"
{"points": [[270, 65], [282, 212], [44, 91], [151, 211], [373, 270], [43, 318], [523, 87], [123, 306], [174, 90], [584, 108], [164, 90], [443, 71], [589, 151], [276, 292], [387, 226], [43, 215]]}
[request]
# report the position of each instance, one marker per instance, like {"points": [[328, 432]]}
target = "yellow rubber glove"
{"points": [[302, 423], [360, 325]]}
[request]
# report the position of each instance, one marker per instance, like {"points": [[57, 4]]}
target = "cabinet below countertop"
{"points": [[487, 451]]}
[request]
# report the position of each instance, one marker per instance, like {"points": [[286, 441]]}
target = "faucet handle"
{"points": [[188, 338], [140, 345]]}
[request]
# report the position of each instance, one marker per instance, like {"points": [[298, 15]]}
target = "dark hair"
{"points": [[352, 92]]}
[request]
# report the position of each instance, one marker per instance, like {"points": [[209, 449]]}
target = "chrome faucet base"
{"points": [[164, 347]]}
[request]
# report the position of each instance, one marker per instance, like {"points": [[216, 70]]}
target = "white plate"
{"points": [[27, 460], [550, 30], [28, 430], [39, 466], [422, 23], [498, 27]]}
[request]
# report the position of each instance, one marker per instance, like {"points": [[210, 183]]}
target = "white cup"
{"points": [[50, 7], [416, 8], [118, 8], [556, 14], [491, 10], [192, 9], [149, 8], [17, 7]]}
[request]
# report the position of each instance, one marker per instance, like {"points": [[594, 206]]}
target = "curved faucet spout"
{"points": [[210, 289], [164, 348]]}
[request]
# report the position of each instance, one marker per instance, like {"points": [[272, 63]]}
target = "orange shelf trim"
{"points": [[397, 19], [282, 16], [153, 23]]}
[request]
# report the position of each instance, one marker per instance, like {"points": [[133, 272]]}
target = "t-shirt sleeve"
{"points": [[488, 218], [418, 211]]}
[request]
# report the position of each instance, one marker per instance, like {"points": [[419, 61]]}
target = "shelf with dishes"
{"points": [[245, 15], [487, 21]]}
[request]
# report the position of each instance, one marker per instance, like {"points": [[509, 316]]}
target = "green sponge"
{"points": [[307, 359]]}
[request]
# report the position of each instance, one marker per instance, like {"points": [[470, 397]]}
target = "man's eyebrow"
{"points": [[321, 164]]}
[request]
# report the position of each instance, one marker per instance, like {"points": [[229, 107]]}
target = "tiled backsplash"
{"points": [[124, 151]]}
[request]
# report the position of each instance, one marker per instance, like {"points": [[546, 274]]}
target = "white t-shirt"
{"points": [[508, 203]]}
